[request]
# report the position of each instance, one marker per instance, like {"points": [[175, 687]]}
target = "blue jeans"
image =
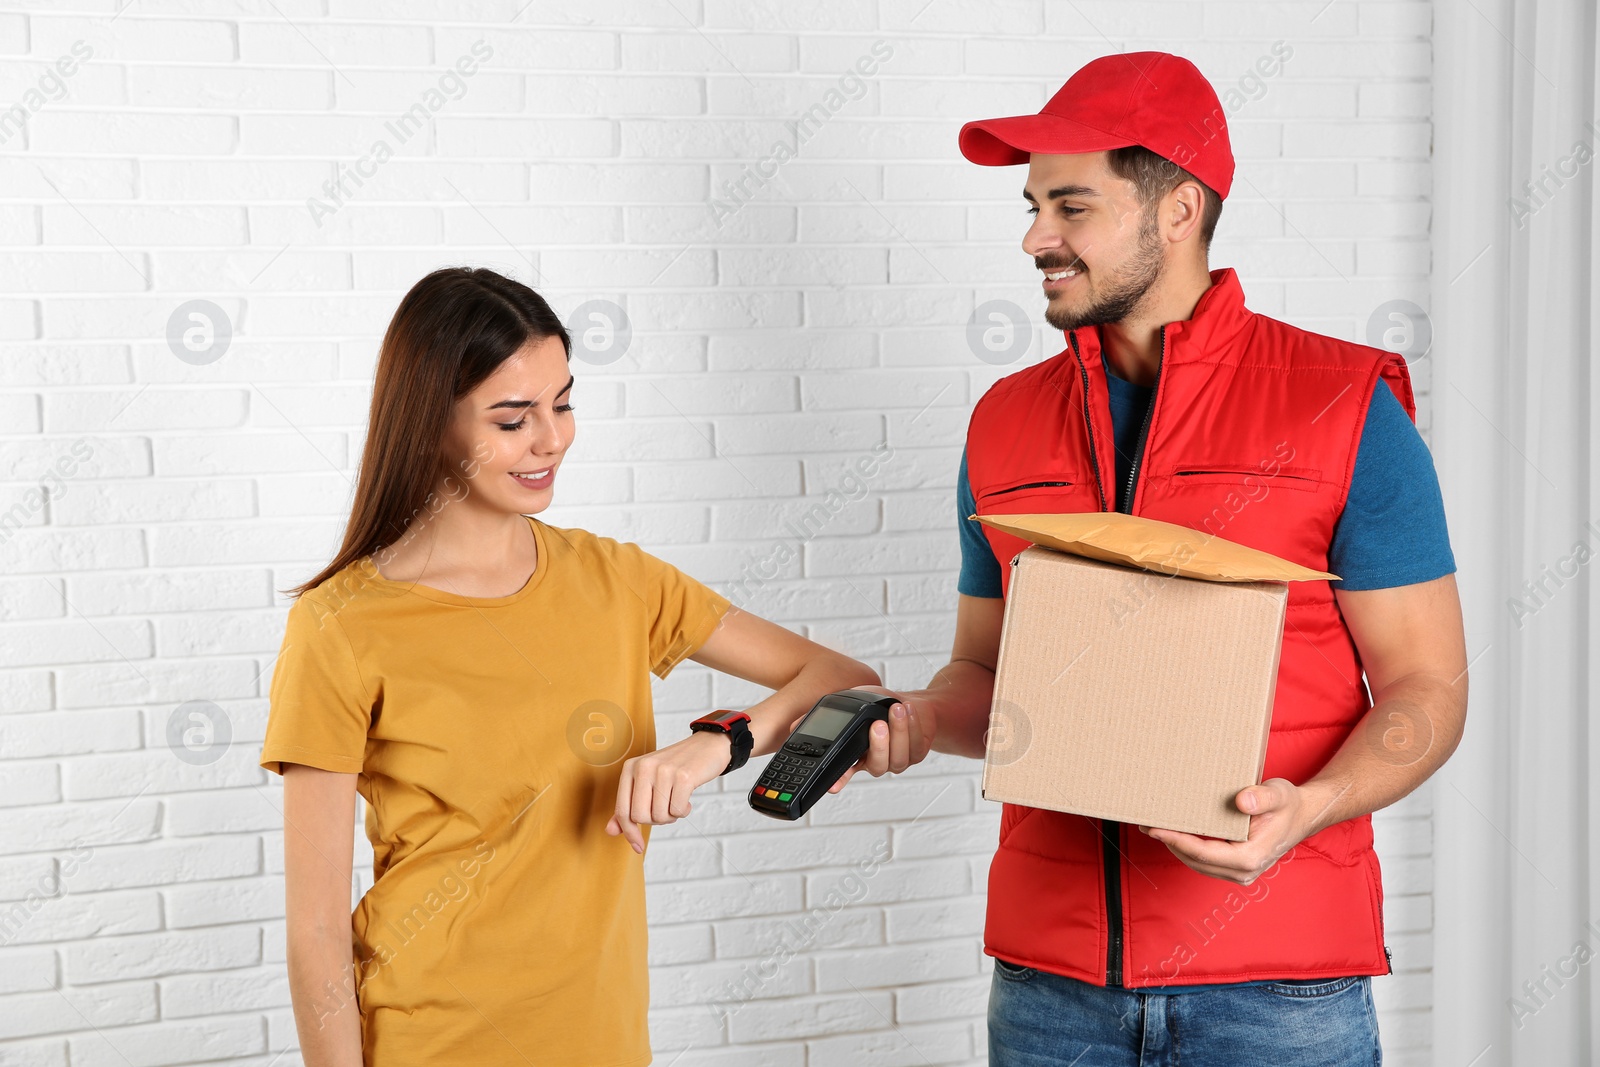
{"points": [[1038, 1019]]}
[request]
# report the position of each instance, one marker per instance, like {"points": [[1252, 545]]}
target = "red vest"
{"points": [[1251, 435]]}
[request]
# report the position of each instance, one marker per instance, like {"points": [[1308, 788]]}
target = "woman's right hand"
{"points": [[655, 787]]}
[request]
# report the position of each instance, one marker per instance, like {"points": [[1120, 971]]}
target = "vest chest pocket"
{"points": [[1247, 502], [1049, 484], [1248, 479]]}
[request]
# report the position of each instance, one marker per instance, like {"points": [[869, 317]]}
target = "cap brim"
{"points": [[1008, 141]]}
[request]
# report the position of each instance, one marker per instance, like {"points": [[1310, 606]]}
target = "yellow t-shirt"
{"points": [[504, 924]]}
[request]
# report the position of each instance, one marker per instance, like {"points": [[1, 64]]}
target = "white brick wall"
{"points": [[141, 894]]}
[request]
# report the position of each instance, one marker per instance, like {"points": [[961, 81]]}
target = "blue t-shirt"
{"points": [[1392, 531]]}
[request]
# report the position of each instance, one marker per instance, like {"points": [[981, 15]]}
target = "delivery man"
{"points": [[1118, 944]]}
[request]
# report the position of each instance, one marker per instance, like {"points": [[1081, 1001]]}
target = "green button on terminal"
{"points": [[785, 796]]}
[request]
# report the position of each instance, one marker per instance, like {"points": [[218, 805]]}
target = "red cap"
{"points": [[1154, 99]]}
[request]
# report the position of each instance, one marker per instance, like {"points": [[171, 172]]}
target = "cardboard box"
{"points": [[1137, 668]]}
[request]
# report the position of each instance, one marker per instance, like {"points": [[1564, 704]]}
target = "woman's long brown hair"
{"points": [[449, 333]]}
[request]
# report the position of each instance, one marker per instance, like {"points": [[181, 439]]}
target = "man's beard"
{"points": [[1125, 290]]}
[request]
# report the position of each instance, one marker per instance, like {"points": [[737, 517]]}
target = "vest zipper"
{"points": [[1108, 856], [1108, 848], [1144, 429], [1110, 830]]}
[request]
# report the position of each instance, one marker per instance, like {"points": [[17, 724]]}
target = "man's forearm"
{"points": [[960, 696], [1407, 734], [772, 718]]}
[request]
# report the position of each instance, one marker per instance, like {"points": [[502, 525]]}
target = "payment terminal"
{"points": [[829, 740]]}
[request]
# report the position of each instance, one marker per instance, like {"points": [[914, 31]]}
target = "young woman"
{"points": [[481, 679]]}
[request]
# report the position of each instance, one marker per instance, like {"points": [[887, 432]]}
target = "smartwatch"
{"points": [[736, 724]]}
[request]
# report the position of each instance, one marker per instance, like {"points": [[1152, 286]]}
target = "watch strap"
{"points": [[736, 724]]}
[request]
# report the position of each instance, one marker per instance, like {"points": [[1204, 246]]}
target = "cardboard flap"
{"points": [[1152, 545]]}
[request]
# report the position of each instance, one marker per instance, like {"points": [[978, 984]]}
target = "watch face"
{"points": [[728, 718]]}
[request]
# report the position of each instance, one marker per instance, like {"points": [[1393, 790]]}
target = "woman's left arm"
{"points": [[656, 786]]}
